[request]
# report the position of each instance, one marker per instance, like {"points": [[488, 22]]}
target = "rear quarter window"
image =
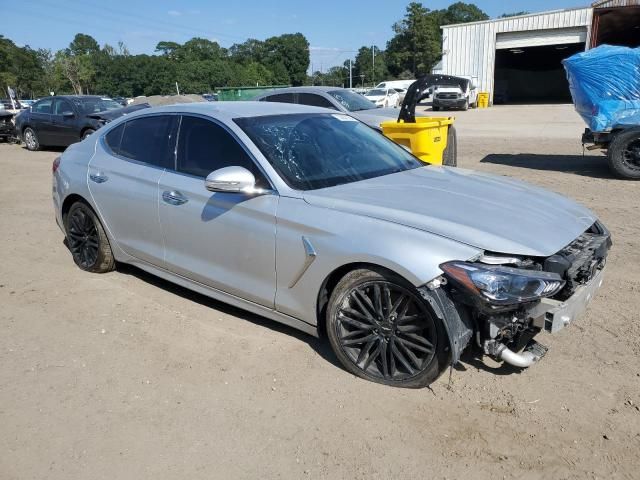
{"points": [[113, 138]]}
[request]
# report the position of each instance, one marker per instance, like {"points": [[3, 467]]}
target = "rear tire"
{"points": [[87, 240], [382, 330], [31, 139], [624, 154], [87, 132], [450, 154]]}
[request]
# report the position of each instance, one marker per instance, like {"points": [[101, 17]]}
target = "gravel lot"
{"points": [[122, 376]]}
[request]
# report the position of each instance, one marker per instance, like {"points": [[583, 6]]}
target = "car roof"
{"points": [[309, 89], [234, 109]]}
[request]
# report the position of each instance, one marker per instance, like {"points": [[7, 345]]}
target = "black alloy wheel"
{"points": [[87, 240], [383, 331]]}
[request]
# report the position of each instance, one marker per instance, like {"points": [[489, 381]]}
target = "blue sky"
{"points": [[334, 28]]}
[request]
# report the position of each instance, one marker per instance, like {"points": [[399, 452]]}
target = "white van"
{"points": [[404, 84]]}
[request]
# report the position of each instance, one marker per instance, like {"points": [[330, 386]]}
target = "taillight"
{"points": [[56, 164]]}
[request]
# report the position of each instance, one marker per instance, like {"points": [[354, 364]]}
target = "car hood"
{"points": [[492, 213]]}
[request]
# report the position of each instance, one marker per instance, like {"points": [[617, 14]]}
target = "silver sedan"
{"points": [[308, 217]]}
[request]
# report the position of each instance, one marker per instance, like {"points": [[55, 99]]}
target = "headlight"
{"points": [[503, 285]]}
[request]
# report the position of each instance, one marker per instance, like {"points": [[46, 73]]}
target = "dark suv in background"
{"points": [[66, 119]]}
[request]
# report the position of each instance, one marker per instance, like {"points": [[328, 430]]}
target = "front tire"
{"points": [[624, 154], [31, 139], [87, 240], [383, 331]]}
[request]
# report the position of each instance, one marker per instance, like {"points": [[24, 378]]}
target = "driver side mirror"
{"points": [[68, 114], [230, 179]]}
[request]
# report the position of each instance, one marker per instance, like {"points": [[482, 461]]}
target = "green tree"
{"points": [[417, 42], [292, 52], [363, 65], [83, 44]]}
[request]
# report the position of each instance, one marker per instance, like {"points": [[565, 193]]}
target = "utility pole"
{"points": [[373, 70], [350, 75]]}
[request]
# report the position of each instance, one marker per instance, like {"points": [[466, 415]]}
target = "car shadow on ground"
{"points": [[588, 165], [321, 346]]}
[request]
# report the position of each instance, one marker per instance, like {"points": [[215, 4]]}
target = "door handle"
{"points": [[98, 177], [174, 198]]}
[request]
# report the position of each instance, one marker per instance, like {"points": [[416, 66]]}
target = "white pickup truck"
{"points": [[457, 92]]}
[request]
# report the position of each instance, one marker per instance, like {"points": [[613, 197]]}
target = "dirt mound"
{"points": [[159, 100]]}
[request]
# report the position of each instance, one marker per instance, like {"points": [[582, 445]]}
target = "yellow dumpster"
{"points": [[427, 138], [483, 99]]}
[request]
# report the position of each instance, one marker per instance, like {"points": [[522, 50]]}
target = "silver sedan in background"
{"points": [[307, 216], [335, 98]]}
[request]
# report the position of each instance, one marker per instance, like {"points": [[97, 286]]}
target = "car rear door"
{"points": [[224, 240], [40, 120], [63, 125], [123, 180]]}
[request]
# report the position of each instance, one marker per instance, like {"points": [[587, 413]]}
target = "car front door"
{"points": [[40, 119], [63, 125], [223, 240], [123, 180]]}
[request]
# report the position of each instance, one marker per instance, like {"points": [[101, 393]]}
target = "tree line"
{"points": [[200, 65]]}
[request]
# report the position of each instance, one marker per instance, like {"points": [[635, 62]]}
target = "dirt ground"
{"points": [[123, 376]]}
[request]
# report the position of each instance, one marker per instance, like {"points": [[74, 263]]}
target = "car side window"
{"points": [[150, 140], [314, 100], [60, 106], [114, 137], [43, 106], [205, 146], [281, 97]]}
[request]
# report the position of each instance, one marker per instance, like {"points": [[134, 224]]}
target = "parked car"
{"points": [[383, 97], [26, 103], [63, 120], [455, 92], [7, 128], [309, 217], [121, 100], [405, 84], [210, 97], [335, 98], [402, 92]]}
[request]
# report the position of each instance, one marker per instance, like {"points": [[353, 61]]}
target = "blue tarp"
{"points": [[605, 86]]}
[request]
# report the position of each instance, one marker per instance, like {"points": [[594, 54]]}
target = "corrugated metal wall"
{"points": [[469, 48]]}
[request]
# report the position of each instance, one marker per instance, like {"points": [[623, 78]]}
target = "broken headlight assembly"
{"points": [[500, 285]]}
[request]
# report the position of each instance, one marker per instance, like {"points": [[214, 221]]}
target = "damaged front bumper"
{"points": [[554, 315]]}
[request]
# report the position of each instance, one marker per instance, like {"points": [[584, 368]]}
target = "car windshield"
{"points": [[95, 105], [353, 102], [376, 92], [311, 151]]}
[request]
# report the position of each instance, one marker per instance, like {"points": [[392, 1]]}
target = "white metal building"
{"points": [[517, 59]]}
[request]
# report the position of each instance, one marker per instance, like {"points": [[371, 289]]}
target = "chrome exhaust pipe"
{"points": [[533, 353]]}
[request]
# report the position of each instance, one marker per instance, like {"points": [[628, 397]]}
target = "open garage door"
{"points": [[528, 66]]}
